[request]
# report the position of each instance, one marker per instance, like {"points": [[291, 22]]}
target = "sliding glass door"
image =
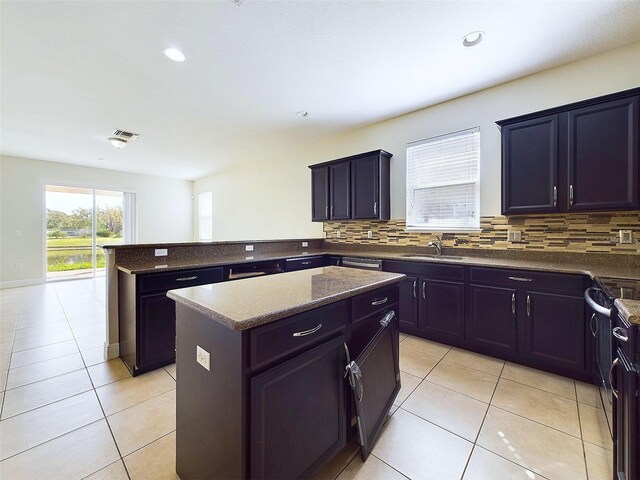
{"points": [[78, 222]]}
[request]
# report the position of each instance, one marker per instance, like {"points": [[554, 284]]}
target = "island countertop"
{"points": [[248, 303]]}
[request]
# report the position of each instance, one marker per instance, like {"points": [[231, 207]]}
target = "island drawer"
{"points": [[153, 282], [375, 301], [284, 337], [528, 280]]}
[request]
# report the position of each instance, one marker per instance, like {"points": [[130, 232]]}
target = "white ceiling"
{"points": [[72, 72]]}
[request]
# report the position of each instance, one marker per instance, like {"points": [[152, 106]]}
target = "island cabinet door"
{"points": [[491, 324], [298, 416]]}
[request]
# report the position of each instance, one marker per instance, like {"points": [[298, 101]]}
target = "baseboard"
{"points": [[20, 283], [112, 351]]}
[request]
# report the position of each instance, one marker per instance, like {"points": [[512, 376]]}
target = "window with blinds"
{"points": [[443, 182]]}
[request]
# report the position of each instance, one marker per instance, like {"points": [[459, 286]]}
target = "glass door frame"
{"points": [[94, 188]]}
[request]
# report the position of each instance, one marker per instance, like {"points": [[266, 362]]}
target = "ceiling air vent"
{"points": [[125, 135], [119, 138]]}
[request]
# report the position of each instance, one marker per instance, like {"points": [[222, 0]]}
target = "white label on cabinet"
{"points": [[203, 358]]}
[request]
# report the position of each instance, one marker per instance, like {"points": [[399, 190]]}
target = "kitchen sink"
{"points": [[432, 256]]}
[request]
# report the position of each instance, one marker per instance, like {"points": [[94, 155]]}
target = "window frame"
{"points": [[202, 219]]}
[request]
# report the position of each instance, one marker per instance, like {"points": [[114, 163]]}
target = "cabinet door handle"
{"points": [[382, 301], [618, 332], [331, 211], [308, 332], [521, 279], [415, 286], [592, 322], [424, 290], [186, 279], [528, 306], [555, 196], [375, 208], [513, 303], [326, 211], [613, 365], [570, 194], [306, 263]]}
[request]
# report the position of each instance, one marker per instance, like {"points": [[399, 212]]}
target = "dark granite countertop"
{"points": [[576, 265], [248, 303]]}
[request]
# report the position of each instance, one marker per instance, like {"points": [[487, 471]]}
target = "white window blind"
{"points": [[205, 216], [443, 188]]}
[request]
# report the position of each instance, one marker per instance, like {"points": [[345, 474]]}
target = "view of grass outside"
{"points": [[69, 227]]}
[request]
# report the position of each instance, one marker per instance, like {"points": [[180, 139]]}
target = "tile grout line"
{"points": [[484, 418]]}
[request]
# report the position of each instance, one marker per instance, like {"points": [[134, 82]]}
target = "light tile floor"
{"points": [[66, 413]]}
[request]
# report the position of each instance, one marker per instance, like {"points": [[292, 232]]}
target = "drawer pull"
{"points": [[528, 306], [619, 333], [382, 301], [592, 322], [308, 332], [513, 303], [306, 263], [521, 279], [415, 284], [186, 279], [424, 290]]}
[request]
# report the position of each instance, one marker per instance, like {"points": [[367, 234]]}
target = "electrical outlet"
{"points": [[369, 234], [305, 244], [514, 235], [248, 248], [161, 252], [203, 357], [338, 234], [626, 236]]}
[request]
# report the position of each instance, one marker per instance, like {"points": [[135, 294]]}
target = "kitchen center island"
{"points": [[261, 364]]}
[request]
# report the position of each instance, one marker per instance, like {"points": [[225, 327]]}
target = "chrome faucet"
{"points": [[437, 244]]}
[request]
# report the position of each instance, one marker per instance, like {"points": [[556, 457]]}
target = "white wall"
{"points": [[164, 209], [271, 197]]}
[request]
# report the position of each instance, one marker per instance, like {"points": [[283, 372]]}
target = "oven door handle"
{"points": [[592, 303]]}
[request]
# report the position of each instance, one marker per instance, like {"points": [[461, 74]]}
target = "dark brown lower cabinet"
{"points": [[626, 430], [147, 317], [554, 330], [290, 436], [275, 403], [491, 324], [441, 309], [408, 308], [157, 332], [534, 318]]}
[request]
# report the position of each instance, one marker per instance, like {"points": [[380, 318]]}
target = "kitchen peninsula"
{"points": [[261, 389]]}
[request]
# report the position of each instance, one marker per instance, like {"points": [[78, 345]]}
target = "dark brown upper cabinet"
{"points": [[603, 156], [339, 192], [578, 157], [355, 187], [320, 194], [530, 166]]}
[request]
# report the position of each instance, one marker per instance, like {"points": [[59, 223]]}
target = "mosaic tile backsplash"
{"points": [[574, 232]]}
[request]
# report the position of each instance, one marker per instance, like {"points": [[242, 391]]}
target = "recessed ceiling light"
{"points": [[174, 54], [302, 113], [472, 39]]}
